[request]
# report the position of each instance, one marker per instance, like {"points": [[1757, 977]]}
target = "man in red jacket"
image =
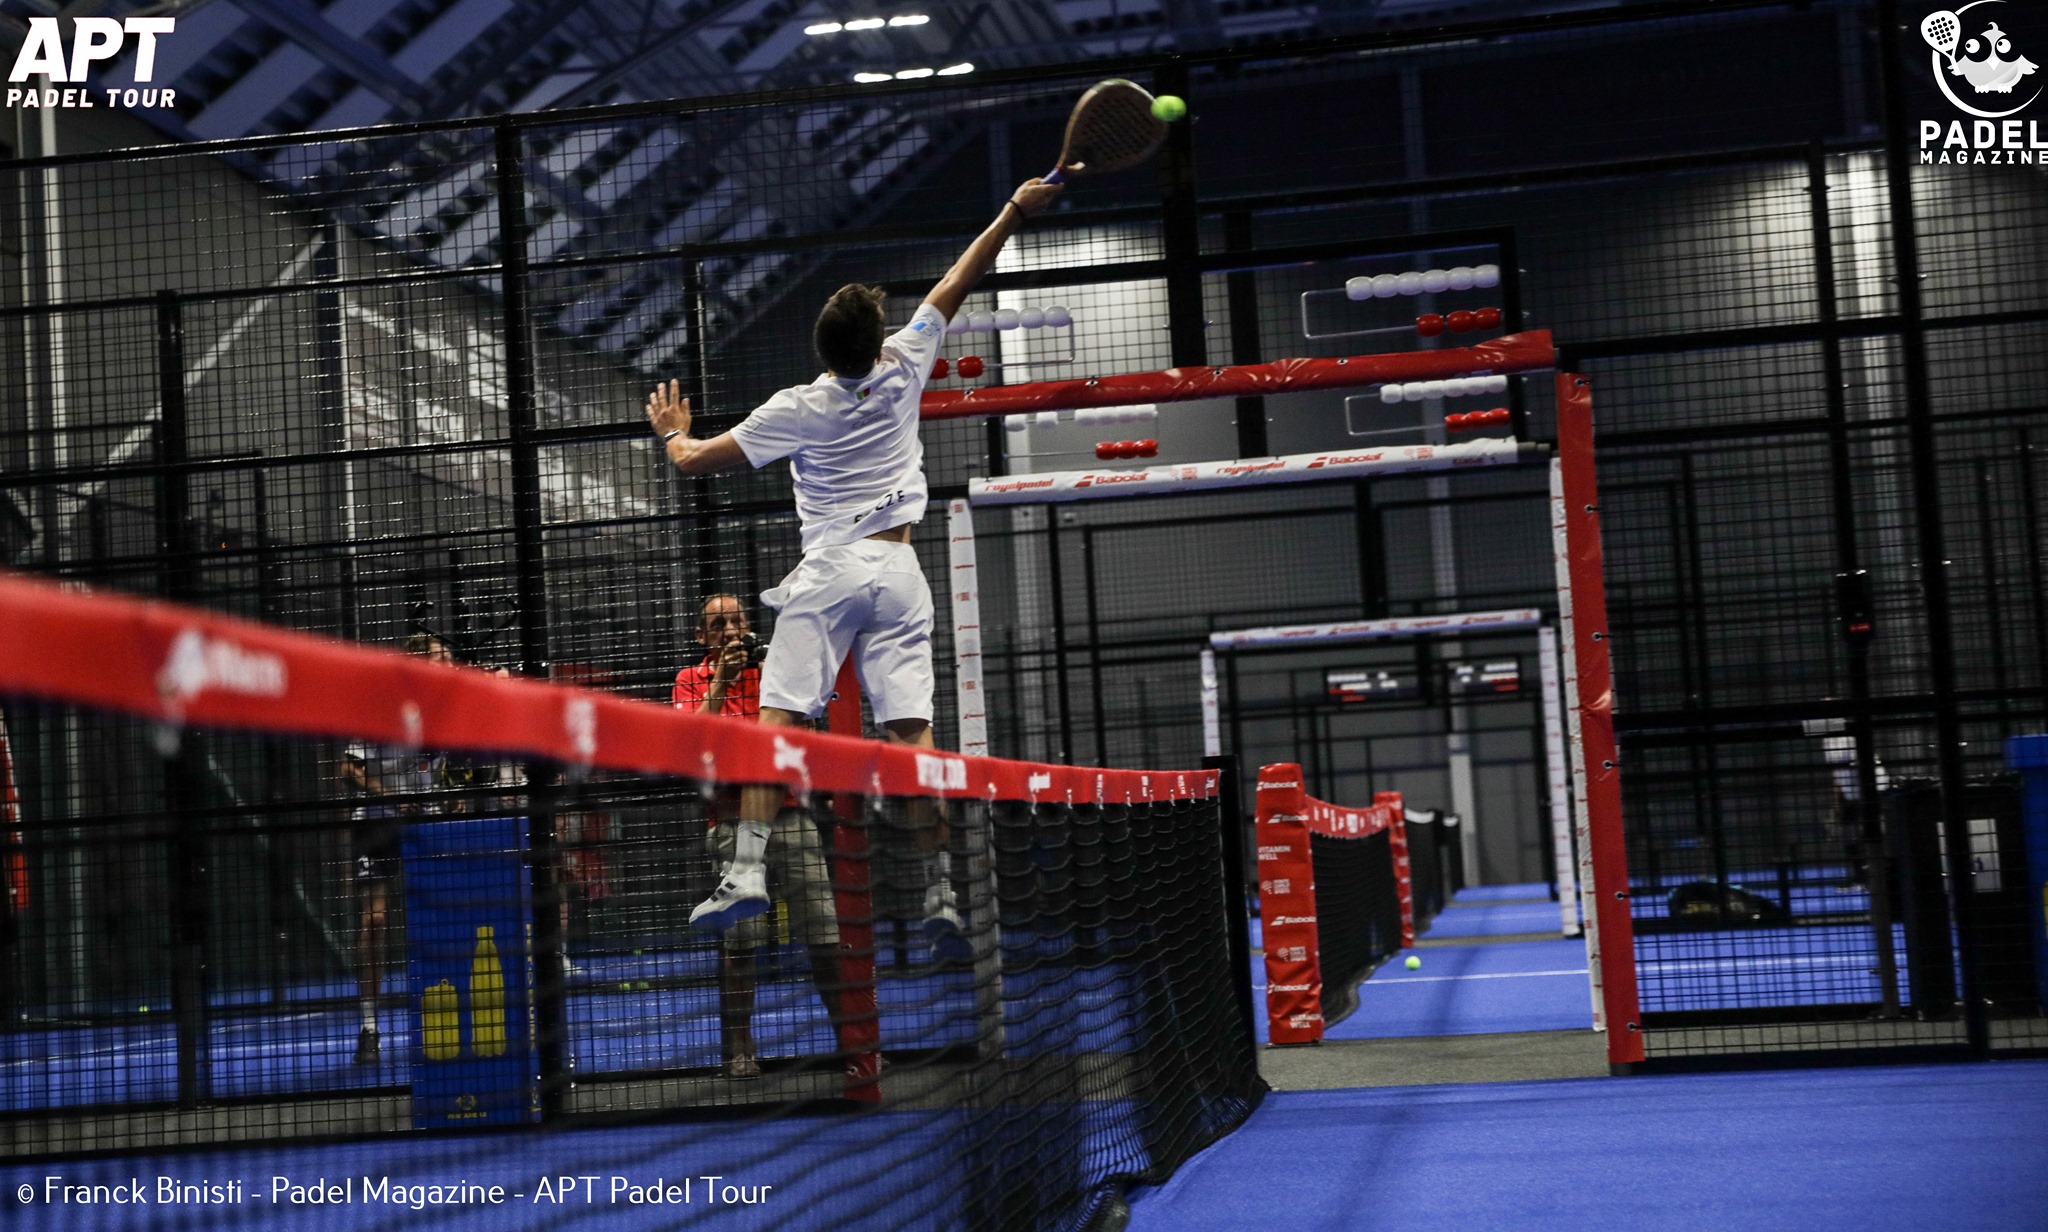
{"points": [[726, 682]]}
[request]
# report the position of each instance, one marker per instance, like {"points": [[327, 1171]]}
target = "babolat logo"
{"points": [[941, 773], [198, 663], [1345, 459], [1096, 481], [1276, 783], [1292, 987], [43, 54], [1281, 920]]}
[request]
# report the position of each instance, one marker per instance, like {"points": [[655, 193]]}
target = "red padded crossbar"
{"points": [[1528, 352]]}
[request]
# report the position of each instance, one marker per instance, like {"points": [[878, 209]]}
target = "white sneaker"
{"points": [[742, 895], [942, 928]]}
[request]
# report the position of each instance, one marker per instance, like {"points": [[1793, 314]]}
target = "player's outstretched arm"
{"points": [[1032, 196], [668, 413]]}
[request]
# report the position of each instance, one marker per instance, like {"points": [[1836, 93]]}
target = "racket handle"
{"points": [[1055, 176]]}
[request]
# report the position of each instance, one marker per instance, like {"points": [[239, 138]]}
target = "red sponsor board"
{"points": [[1287, 909]]}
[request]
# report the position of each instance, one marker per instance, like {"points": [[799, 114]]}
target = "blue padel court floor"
{"points": [[621, 1016], [1485, 988], [1494, 985], [1897, 1149]]}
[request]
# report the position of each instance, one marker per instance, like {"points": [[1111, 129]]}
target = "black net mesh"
{"points": [[1358, 914]]}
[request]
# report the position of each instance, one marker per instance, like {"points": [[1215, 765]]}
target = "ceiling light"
{"points": [[909, 19], [912, 74], [866, 23], [868, 79], [824, 27], [954, 70]]}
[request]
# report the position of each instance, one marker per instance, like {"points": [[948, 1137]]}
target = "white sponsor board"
{"points": [[1249, 472]]}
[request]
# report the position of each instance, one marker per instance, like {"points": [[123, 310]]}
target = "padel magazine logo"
{"points": [[1977, 59], [51, 71]]}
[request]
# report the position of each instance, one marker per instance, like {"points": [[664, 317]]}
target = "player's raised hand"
{"points": [[667, 410], [1035, 195]]}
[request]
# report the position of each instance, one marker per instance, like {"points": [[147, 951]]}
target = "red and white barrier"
{"points": [[1287, 816], [1337, 632], [1247, 473]]}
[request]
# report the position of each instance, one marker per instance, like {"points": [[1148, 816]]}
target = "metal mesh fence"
{"points": [[389, 382]]}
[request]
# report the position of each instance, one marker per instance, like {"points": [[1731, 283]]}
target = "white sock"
{"points": [[938, 874], [370, 1014], [750, 848]]}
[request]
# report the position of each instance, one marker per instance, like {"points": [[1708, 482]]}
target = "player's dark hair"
{"points": [[849, 331]]}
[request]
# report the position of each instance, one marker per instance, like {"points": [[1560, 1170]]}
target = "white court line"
{"points": [[1438, 979]]}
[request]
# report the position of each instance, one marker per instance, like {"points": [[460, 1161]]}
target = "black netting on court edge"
{"points": [[219, 937], [1358, 913]]}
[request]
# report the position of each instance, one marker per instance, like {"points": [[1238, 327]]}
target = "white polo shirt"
{"points": [[852, 445]]}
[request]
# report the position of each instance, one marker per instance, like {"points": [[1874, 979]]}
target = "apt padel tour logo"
{"points": [[1979, 67], [51, 72]]}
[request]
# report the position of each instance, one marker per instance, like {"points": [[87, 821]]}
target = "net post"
{"points": [[521, 407], [1404, 869], [860, 1024], [1236, 910], [966, 610], [550, 994], [1580, 492], [1575, 749], [182, 792], [1564, 866]]}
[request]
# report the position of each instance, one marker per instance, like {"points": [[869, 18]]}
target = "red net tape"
{"points": [[179, 665]]}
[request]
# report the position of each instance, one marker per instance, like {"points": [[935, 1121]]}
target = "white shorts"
{"points": [[870, 598]]}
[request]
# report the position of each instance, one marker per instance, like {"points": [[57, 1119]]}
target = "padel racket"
{"points": [[1112, 129], [1942, 30]]}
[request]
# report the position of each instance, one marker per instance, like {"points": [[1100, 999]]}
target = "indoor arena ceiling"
{"points": [[245, 68]]}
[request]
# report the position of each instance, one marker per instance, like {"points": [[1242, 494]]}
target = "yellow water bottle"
{"points": [[486, 997], [441, 1022]]}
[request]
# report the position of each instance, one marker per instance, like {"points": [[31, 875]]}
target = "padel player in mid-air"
{"points": [[852, 443]]}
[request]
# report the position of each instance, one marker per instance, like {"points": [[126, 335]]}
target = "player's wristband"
{"points": [[1012, 204], [670, 435]]}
